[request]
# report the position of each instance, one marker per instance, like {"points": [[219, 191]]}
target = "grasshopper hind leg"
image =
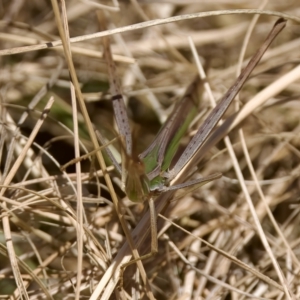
{"points": [[154, 244]]}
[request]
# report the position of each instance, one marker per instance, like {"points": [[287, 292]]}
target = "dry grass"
{"points": [[61, 234]]}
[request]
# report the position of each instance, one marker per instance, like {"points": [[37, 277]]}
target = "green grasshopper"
{"points": [[149, 174]]}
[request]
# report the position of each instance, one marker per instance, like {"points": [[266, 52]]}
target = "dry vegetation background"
{"points": [[55, 245]]}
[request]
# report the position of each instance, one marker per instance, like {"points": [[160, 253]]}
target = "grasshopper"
{"points": [[149, 174]]}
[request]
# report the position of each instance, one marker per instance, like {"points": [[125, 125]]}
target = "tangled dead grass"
{"points": [[61, 238]]}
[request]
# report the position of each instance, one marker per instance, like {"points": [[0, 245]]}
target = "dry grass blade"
{"points": [[230, 257], [150, 24], [6, 225]]}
